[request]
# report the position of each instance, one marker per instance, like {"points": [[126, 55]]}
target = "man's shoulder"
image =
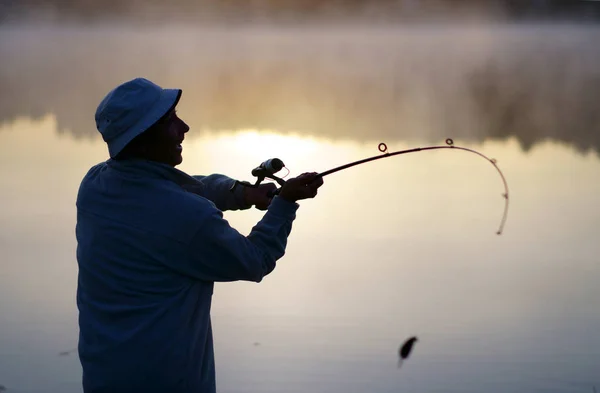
{"points": [[160, 208], [89, 177], [93, 172]]}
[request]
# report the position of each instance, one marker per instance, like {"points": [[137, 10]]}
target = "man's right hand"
{"points": [[302, 187]]}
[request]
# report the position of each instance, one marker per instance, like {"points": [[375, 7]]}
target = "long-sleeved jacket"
{"points": [[149, 252]]}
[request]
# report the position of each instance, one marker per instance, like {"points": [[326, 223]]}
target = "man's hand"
{"points": [[258, 196], [302, 187]]}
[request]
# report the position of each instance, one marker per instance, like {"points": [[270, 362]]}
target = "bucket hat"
{"points": [[130, 109]]}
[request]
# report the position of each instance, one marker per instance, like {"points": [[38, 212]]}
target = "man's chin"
{"points": [[177, 160]]}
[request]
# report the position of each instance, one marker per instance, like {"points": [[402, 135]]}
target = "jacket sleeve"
{"points": [[219, 252], [216, 188]]}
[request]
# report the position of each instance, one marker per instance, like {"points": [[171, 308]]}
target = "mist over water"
{"points": [[417, 82]]}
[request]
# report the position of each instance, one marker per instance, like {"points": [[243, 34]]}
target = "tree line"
{"points": [[249, 9]]}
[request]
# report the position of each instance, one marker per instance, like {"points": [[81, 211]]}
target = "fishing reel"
{"points": [[265, 170]]}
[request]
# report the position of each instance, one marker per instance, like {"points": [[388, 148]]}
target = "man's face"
{"points": [[165, 145]]}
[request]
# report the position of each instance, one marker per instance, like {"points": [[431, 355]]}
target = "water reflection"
{"points": [[389, 249], [477, 82]]}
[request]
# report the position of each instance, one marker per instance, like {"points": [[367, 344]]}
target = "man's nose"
{"points": [[184, 127]]}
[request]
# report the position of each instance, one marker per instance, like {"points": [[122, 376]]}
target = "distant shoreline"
{"points": [[296, 12]]}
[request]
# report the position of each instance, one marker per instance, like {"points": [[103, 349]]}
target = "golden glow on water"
{"points": [[389, 248]]}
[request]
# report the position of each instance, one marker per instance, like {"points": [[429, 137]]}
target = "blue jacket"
{"points": [[151, 242]]}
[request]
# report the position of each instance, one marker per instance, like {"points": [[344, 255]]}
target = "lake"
{"points": [[397, 247]]}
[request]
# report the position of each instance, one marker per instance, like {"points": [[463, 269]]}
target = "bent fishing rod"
{"points": [[267, 170]]}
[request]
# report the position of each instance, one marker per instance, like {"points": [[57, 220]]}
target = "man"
{"points": [[151, 243]]}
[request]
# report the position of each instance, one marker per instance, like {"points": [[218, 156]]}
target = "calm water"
{"points": [[399, 247]]}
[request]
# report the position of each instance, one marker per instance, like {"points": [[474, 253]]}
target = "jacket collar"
{"points": [[145, 168]]}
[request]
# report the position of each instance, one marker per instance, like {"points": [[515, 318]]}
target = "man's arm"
{"points": [[216, 188], [218, 252]]}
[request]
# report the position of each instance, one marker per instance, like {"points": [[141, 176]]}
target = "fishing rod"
{"points": [[268, 169]]}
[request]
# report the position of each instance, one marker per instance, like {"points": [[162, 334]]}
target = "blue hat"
{"points": [[131, 109]]}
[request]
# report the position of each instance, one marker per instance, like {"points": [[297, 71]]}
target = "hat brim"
{"points": [[167, 100]]}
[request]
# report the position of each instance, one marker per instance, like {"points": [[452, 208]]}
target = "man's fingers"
{"points": [[303, 186], [269, 187], [316, 182], [264, 203], [312, 182], [310, 178], [310, 191], [307, 176]]}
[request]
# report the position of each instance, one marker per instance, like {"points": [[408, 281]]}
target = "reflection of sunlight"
{"points": [[236, 154], [269, 144]]}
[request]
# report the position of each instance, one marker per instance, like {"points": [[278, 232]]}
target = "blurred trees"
{"points": [[249, 9]]}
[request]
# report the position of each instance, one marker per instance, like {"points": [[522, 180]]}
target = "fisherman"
{"points": [[151, 243]]}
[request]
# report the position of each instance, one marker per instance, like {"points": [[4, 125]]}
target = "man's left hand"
{"points": [[258, 196]]}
